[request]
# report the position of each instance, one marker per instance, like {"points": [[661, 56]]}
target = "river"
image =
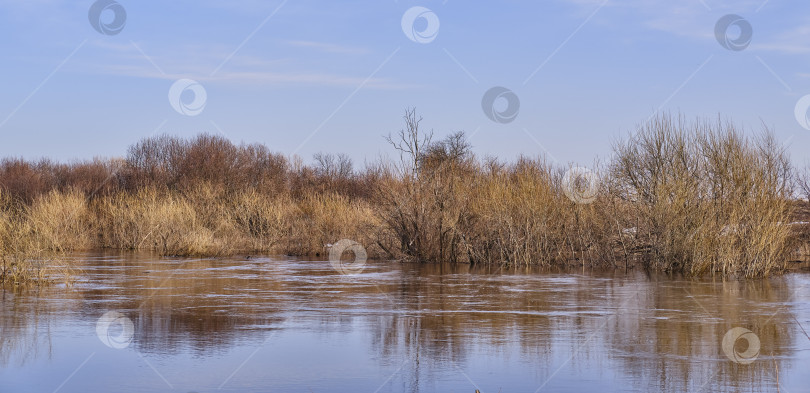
{"points": [[133, 322]]}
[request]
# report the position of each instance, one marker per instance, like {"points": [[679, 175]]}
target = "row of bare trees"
{"points": [[693, 197]]}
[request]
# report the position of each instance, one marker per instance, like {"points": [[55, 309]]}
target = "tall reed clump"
{"points": [[524, 217], [166, 223], [24, 253], [706, 198], [322, 219], [207, 220], [60, 221], [264, 220]]}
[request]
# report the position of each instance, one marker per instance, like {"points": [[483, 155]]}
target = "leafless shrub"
{"points": [[705, 198]]}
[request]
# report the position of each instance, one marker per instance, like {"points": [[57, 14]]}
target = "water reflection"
{"points": [[261, 323]]}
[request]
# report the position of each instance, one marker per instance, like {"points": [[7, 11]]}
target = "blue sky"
{"points": [[310, 76]]}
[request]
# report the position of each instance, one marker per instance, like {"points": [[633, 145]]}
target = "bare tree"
{"points": [[803, 181], [333, 166], [443, 154], [410, 144]]}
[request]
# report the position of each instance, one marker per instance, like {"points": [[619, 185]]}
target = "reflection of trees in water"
{"points": [[665, 334], [175, 308], [25, 320], [194, 305], [672, 340], [449, 314], [431, 316]]}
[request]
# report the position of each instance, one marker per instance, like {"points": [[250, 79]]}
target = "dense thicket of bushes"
{"points": [[707, 198], [694, 197]]}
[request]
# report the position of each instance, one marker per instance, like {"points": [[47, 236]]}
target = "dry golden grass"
{"points": [[167, 223], [521, 217], [27, 252], [204, 220], [323, 219], [525, 217], [60, 221], [262, 220]]}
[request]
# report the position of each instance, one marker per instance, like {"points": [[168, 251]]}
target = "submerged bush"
{"points": [[523, 216], [706, 198]]}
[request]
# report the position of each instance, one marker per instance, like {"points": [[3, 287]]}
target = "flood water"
{"points": [[291, 325]]}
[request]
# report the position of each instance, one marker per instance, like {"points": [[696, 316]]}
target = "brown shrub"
{"points": [[706, 198]]}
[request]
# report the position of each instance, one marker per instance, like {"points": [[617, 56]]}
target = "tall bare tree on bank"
{"points": [[410, 142], [402, 206], [421, 204]]}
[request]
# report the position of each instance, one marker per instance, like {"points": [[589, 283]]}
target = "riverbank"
{"points": [[689, 197]]}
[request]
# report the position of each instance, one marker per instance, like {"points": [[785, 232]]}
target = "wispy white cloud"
{"points": [[794, 41], [327, 47], [125, 59], [693, 18], [682, 18]]}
